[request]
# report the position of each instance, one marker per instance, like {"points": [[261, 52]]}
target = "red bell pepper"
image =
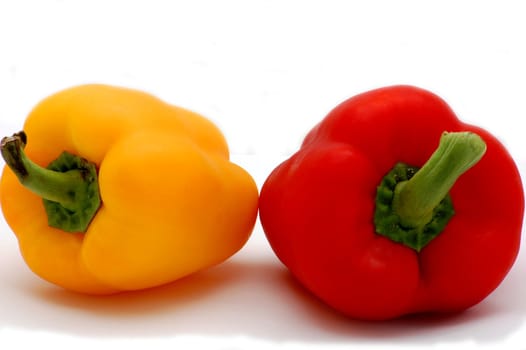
{"points": [[393, 206]]}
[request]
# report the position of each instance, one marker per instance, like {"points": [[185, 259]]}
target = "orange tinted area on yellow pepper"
{"points": [[172, 202]]}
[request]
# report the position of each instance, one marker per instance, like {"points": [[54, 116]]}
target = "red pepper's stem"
{"points": [[413, 205], [68, 186], [415, 199]]}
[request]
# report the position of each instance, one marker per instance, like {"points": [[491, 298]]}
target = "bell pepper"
{"points": [[393, 206], [110, 189]]}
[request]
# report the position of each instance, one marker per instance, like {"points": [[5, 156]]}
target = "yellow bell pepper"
{"points": [[143, 195]]}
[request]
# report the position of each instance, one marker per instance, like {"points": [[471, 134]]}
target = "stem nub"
{"points": [[413, 205], [68, 186]]}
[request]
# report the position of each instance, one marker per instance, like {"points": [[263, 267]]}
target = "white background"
{"points": [[265, 72]]}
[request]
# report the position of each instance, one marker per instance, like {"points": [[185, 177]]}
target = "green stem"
{"points": [[415, 199], [413, 205], [68, 186], [48, 184]]}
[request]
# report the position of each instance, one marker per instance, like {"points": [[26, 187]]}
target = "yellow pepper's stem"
{"points": [[68, 186], [48, 184]]}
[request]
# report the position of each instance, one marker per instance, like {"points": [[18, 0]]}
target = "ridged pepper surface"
{"points": [[143, 195], [393, 206]]}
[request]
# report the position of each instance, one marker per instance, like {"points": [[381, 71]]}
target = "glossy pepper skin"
{"points": [[318, 210], [172, 202]]}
